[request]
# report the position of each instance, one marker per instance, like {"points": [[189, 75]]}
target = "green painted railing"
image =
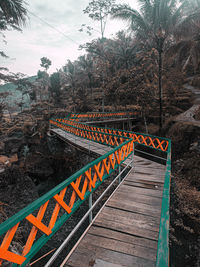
{"points": [[163, 240], [154, 142], [91, 177]]}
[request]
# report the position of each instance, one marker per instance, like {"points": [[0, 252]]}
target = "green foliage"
{"points": [[45, 63], [154, 22], [42, 74], [55, 84], [14, 96], [13, 14], [99, 10]]}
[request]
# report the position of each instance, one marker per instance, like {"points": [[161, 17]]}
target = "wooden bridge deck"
{"points": [[125, 232]]}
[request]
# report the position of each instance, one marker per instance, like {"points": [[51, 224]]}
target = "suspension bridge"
{"points": [[132, 226]]}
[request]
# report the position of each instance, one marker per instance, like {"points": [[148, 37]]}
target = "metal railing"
{"points": [[155, 142], [88, 213], [71, 193], [102, 115]]}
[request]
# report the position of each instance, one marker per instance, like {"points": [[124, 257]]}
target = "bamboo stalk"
{"points": [[42, 256]]}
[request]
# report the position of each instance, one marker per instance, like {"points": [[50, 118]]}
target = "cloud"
{"points": [[40, 39]]}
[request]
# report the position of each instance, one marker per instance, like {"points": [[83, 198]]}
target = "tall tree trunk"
{"points": [[160, 88]]}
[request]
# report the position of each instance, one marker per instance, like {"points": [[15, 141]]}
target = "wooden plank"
{"points": [[144, 164], [125, 233], [143, 185], [87, 256], [129, 218], [120, 246], [122, 236], [135, 207], [149, 170], [145, 182], [145, 177], [136, 230], [149, 200], [141, 191]]}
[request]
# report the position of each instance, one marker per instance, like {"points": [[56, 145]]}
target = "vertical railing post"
{"points": [[119, 173], [89, 146], [132, 156], [90, 206]]}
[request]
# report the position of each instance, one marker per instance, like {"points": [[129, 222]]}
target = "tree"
{"points": [[123, 49], [26, 88], [45, 63], [99, 10], [43, 82], [55, 85], [154, 24], [70, 70], [186, 50], [3, 96], [86, 64], [13, 15]]}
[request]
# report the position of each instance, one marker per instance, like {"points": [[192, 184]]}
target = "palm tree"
{"points": [[153, 25], [124, 49], [14, 11], [86, 64], [70, 70], [186, 50]]}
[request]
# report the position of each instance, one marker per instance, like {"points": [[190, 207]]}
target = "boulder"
{"points": [[4, 160]]}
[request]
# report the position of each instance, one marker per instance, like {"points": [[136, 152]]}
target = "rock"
{"points": [[2, 147], [7, 162], [13, 158], [4, 160]]}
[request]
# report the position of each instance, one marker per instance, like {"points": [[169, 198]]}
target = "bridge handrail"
{"points": [[91, 175], [103, 114], [117, 138], [92, 131], [162, 258], [135, 135], [108, 163]]}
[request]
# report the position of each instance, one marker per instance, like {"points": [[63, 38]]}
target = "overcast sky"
{"points": [[40, 40]]}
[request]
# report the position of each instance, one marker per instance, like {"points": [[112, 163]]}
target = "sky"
{"points": [[39, 39]]}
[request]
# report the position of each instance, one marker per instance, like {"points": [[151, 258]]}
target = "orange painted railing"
{"points": [[70, 194], [66, 197], [155, 142], [89, 116]]}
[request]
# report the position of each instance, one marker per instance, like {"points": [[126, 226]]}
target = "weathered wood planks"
{"points": [[125, 233]]}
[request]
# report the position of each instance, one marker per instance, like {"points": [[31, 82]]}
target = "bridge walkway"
{"points": [[125, 232]]}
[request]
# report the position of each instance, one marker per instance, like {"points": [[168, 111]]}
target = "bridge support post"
{"points": [[89, 147], [90, 206], [119, 173], [132, 156]]}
